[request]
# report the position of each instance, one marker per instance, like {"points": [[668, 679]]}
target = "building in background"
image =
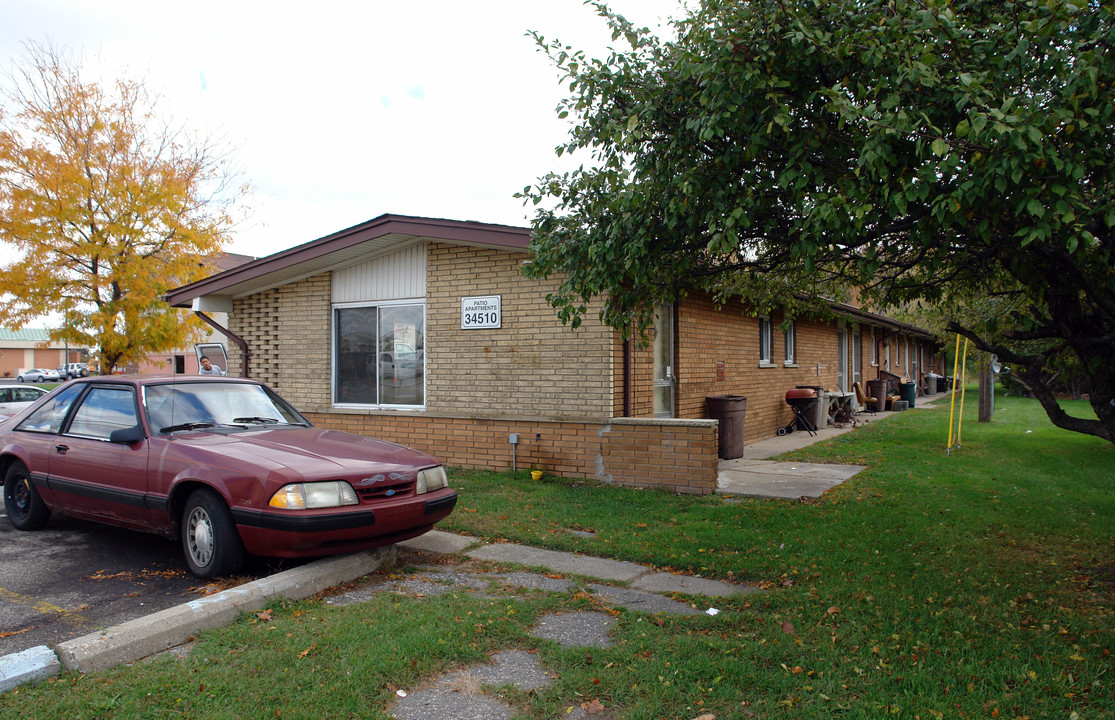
{"points": [[32, 348]]}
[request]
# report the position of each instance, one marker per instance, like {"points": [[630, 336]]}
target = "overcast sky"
{"points": [[339, 112]]}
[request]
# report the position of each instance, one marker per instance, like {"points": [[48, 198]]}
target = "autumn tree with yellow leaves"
{"points": [[106, 207]]}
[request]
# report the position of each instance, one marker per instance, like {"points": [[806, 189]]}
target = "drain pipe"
{"points": [[245, 356], [627, 362]]}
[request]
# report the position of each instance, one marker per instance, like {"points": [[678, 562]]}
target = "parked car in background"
{"points": [[223, 464], [14, 398], [70, 371], [38, 375]]}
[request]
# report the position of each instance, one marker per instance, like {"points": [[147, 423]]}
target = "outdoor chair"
{"points": [[865, 401]]}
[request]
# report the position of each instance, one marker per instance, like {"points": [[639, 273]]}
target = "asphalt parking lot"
{"points": [[73, 577]]}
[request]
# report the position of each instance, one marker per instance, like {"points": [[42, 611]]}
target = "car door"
{"points": [[94, 475]]}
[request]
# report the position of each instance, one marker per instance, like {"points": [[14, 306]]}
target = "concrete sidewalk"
{"points": [[755, 475]]}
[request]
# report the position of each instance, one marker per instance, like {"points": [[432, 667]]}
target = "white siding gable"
{"points": [[400, 275]]}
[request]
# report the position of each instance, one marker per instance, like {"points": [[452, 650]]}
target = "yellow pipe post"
{"points": [[963, 389], [952, 400]]}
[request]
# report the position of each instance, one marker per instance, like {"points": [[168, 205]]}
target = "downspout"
{"points": [[245, 356], [627, 377]]}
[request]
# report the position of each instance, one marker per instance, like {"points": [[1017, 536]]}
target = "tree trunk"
{"points": [[986, 394]]}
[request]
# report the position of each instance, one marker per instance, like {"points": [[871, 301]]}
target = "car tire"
{"points": [[25, 507], [19, 378], [40, 379], [209, 539]]}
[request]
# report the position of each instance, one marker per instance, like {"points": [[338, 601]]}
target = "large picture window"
{"points": [[379, 355]]}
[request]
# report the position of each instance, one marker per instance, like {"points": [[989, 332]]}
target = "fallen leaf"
{"points": [[788, 627], [593, 707], [265, 616]]}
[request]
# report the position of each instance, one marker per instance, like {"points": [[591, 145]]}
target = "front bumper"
{"points": [[300, 533]]}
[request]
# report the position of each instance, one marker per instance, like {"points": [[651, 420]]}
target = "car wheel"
{"points": [[19, 378], [209, 538], [40, 379], [24, 505]]}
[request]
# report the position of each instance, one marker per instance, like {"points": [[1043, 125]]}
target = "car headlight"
{"points": [[431, 479], [303, 496]]}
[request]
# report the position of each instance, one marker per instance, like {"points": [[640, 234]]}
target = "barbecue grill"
{"points": [[799, 400]]}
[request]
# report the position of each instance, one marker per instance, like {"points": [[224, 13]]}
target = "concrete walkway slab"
{"points": [[437, 541], [561, 562], [788, 480], [667, 583]]}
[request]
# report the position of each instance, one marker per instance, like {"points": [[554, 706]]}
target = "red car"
{"points": [[224, 464]]}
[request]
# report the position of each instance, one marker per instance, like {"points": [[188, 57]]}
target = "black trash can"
{"points": [[908, 391], [729, 411], [878, 390], [942, 384]]}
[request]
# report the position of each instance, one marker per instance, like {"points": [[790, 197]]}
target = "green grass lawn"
{"points": [[976, 585]]}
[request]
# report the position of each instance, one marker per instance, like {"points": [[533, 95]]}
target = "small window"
{"points": [[789, 338], [874, 348], [764, 340]]}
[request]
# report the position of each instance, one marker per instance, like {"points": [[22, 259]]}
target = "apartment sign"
{"points": [[481, 313]]}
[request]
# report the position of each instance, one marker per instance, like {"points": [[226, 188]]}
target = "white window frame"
{"points": [[789, 340], [333, 354], [765, 338], [874, 349]]}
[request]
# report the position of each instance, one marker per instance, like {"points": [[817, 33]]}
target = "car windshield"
{"points": [[195, 405]]}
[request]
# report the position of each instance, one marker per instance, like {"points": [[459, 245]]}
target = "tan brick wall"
{"points": [[305, 336], [672, 455], [288, 335], [532, 366]]}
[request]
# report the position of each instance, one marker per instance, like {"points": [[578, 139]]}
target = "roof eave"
{"points": [[453, 231]]}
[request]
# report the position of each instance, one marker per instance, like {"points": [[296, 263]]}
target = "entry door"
{"points": [[842, 357], [664, 379]]}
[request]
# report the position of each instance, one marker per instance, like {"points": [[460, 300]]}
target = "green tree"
{"points": [[915, 149], [106, 207]]}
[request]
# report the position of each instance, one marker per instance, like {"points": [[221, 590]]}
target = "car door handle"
{"points": [[61, 449]]}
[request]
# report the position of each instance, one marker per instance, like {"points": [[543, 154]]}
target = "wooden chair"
{"points": [[865, 401]]}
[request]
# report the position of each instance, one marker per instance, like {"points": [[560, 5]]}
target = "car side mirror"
{"points": [[127, 436]]}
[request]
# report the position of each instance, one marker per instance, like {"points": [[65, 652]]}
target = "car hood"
{"points": [[314, 453]]}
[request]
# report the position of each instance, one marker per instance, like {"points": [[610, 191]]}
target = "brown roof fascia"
{"points": [[888, 322], [464, 232]]}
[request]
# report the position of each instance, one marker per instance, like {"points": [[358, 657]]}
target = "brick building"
{"points": [[32, 348], [425, 332]]}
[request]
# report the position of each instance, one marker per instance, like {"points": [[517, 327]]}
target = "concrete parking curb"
{"points": [[37, 663], [154, 633]]}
